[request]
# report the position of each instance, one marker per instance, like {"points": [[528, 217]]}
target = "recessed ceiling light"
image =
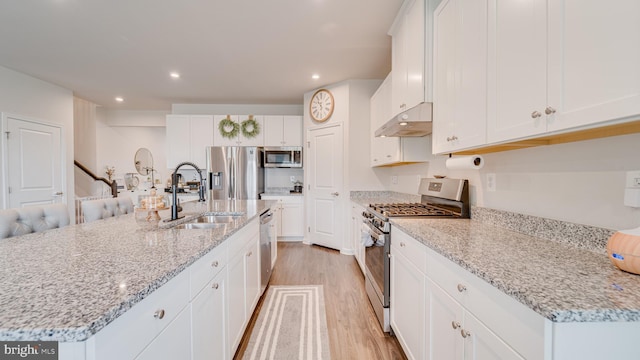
{"points": [[383, 136], [404, 123], [119, 99], [315, 76], [175, 75]]}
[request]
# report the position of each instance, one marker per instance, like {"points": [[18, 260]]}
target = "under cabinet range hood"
{"points": [[413, 122]]}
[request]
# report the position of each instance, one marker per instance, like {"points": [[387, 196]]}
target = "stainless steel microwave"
{"points": [[283, 157]]}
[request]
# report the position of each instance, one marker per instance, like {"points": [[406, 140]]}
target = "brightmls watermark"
{"points": [[31, 350]]}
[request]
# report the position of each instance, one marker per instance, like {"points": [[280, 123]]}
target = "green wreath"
{"points": [[250, 128], [231, 134]]}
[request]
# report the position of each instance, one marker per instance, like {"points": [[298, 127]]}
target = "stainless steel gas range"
{"points": [[441, 198]]}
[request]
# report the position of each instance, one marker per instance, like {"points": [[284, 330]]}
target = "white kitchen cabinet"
{"points": [[456, 334], [593, 62], [440, 311], [283, 130], [408, 294], [240, 139], [356, 234], [392, 150], [208, 305], [288, 216], [131, 333], [544, 76], [187, 139], [460, 75], [174, 342], [408, 56], [243, 284]]}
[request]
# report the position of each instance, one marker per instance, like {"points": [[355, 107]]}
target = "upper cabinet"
{"points": [[594, 59], [560, 65], [392, 150], [460, 75], [408, 57], [187, 138], [282, 130], [512, 70], [242, 130]]}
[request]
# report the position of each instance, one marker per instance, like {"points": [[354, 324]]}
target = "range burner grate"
{"points": [[410, 209]]}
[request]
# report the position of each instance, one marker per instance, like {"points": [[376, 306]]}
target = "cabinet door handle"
{"points": [[452, 138], [549, 110], [250, 253], [159, 314], [536, 114], [465, 333], [402, 244], [456, 325], [335, 193], [215, 286], [462, 288], [214, 264]]}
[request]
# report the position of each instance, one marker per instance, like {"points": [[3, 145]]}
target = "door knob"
{"points": [[335, 193], [59, 193]]}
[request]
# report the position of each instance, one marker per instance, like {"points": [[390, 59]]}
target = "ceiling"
{"points": [[226, 51]]}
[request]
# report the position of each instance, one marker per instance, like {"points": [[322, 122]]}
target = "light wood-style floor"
{"points": [[354, 331]]}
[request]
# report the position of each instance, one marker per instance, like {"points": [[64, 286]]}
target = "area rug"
{"points": [[291, 325]]}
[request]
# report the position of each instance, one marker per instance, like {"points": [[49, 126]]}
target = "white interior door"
{"points": [[325, 190], [34, 163]]}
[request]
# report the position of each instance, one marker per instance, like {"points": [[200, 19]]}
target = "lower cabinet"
{"points": [[357, 235], [289, 216], [407, 312], [457, 334], [440, 311], [174, 342], [208, 320], [244, 290]]}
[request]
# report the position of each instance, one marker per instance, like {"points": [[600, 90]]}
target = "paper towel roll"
{"points": [[473, 162]]}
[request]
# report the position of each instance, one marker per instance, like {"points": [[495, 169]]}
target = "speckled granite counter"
{"points": [[67, 284], [566, 279], [560, 282]]}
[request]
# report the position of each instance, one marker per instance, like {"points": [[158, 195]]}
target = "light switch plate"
{"points": [[491, 182], [394, 179], [633, 180]]}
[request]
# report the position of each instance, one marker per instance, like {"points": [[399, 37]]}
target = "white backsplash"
{"points": [[280, 178]]}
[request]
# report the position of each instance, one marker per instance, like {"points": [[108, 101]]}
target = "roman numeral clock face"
{"points": [[321, 105]]}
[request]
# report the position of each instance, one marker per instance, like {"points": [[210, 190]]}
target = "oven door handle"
{"points": [[377, 235]]}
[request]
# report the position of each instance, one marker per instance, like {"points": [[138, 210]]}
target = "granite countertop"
{"points": [[66, 284], [561, 282]]}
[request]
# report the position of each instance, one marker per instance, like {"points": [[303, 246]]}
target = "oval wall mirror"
{"points": [[143, 161]]}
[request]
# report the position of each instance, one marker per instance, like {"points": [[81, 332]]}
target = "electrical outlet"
{"points": [[292, 178], [491, 182], [394, 179], [633, 179]]}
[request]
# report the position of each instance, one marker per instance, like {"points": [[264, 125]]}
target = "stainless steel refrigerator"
{"points": [[234, 172]]}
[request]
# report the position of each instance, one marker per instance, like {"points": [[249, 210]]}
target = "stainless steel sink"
{"points": [[199, 225], [209, 221], [216, 219]]}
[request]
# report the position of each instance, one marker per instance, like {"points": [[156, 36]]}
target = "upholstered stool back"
{"points": [[20, 221], [103, 208]]}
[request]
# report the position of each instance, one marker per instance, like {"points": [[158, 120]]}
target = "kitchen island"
{"points": [[509, 284], [68, 284]]}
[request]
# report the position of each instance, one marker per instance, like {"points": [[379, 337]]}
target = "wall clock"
{"points": [[321, 105]]}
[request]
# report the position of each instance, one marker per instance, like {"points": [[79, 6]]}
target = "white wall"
{"points": [[281, 177], [23, 95], [117, 141], [581, 182]]}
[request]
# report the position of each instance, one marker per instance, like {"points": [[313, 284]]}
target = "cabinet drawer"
{"points": [[519, 326], [240, 239], [207, 267], [125, 337], [409, 247]]}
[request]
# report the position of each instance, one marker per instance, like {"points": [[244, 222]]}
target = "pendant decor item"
{"points": [[623, 249], [228, 128], [250, 127]]}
